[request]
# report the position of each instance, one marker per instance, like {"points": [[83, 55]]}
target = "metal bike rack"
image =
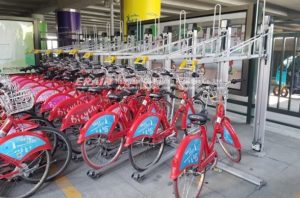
{"points": [[123, 158], [140, 176], [241, 174], [258, 47]]}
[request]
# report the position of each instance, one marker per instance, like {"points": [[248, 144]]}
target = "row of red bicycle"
{"points": [[97, 113]]}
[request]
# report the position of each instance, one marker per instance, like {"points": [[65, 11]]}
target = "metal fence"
{"points": [[284, 90]]}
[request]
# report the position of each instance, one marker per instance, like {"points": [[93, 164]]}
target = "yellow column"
{"points": [[134, 10]]}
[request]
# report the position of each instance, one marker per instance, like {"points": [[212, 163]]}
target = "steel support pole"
{"points": [[112, 27], [262, 93], [195, 35]]}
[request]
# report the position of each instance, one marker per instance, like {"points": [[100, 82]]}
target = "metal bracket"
{"points": [[139, 176], [94, 174], [241, 174]]}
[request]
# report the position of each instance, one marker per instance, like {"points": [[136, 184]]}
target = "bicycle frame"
{"points": [[111, 116], [191, 150], [147, 124]]}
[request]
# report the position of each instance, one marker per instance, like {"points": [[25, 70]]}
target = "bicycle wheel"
{"points": [[230, 150], [45, 123], [41, 121], [189, 183], [72, 134], [16, 185], [144, 153], [61, 152], [98, 151]]}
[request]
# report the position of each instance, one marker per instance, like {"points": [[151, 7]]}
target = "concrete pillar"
{"points": [[133, 10]]}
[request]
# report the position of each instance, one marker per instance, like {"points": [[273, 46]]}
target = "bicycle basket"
{"points": [[16, 102], [7, 84]]}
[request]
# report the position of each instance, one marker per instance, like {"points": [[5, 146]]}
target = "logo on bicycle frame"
{"points": [[147, 127], [18, 147], [191, 154], [101, 125]]}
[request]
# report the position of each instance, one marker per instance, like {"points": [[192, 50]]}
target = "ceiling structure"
{"points": [[97, 12]]}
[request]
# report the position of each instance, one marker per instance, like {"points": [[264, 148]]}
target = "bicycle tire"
{"points": [[45, 123], [72, 134], [108, 150], [191, 172], [61, 146], [65, 146], [133, 156], [229, 149], [37, 184]]}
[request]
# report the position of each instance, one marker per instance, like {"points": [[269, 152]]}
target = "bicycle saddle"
{"points": [[199, 119], [98, 89], [131, 91], [83, 88], [118, 98], [156, 95]]}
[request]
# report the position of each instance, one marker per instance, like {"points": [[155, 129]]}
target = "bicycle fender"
{"points": [[80, 114], [187, 154], [44, 95], [36, 89], [22, 125], [21, 145], [229, 134], [50, 84], [53, 100], [62, 108], [16, 77], [145, 125], [100, 124], [24, 82], [29, 85]]}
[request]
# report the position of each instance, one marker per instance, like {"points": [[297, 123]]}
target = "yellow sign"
{"points": [[183, 64], [73, 51], [141, 60], [88, 55], [110, 59], [142, 10], [59, 51], [48, 52], [37, 51]]}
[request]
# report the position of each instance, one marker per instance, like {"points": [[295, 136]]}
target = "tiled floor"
{"points": [[279, 167]]}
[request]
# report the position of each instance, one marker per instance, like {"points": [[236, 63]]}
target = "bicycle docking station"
{"points": [[95, 174], [241, 174], [140, 176]]}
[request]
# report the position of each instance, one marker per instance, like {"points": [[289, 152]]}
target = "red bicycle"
{"points": [[102, 137], [149, 131], [196, 154], [25, 157]]}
